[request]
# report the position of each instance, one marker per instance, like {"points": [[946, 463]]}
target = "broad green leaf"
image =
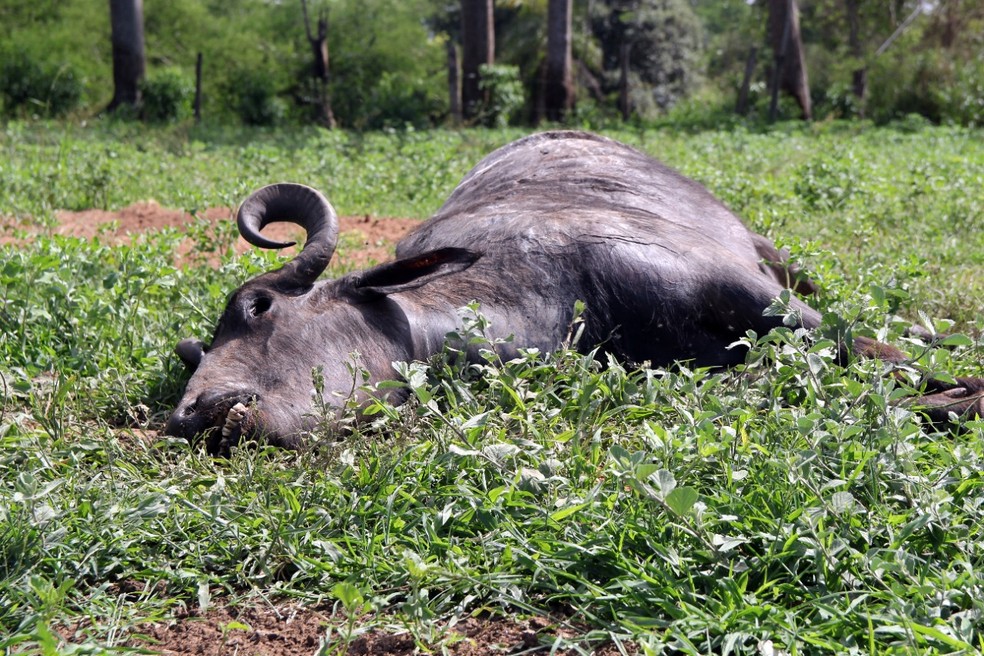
{"points": [[956, 340], [665, 480], [937, 634], [681, 499], [348, 594], [842, 502], [644, 471], [620, 455], [564, 513]]}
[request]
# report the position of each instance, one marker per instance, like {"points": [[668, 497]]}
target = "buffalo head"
{"points": [[283, 329]]}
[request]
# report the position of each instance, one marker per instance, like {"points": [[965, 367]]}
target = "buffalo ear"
{"points": [[190, 351], [409, 272]]}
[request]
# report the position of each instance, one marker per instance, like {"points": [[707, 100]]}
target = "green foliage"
{"points": [[795, 504], [401, 101], [931, 69], [255, 98], [68, 38], [111, 164], [90, 315], [29, 87], [387, 71], [930, 84], [664, 51], [167, 95], [388, 61], [505, 91]]}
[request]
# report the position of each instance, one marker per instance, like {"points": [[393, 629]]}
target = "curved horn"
{"points": [[294, 203]]}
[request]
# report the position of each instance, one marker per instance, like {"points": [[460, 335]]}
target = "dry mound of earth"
{"points": [[365, 239]]}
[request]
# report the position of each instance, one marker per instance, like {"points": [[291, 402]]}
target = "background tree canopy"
{"points": [[388, 60]]}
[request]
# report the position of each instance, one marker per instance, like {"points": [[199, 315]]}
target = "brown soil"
{"points": [[365, 239], [285, 628], [265, 629]]}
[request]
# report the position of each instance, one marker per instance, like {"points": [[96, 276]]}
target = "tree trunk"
{"points": [[789, 65], [198, 88], [951, 23], [454, 84], [320, 69], [860, 75], [623, 79], [741, 106], [126, 22], [477, 49], [559, 80]]}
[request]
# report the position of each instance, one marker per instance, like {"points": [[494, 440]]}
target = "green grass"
{"points": [[795, 501]]}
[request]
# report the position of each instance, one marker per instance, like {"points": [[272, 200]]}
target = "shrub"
{"points": [[930, 84], [506, 98], [401, 100], [167, 96], [665, 51], [962, 102], [256, 100], [28, 86]]}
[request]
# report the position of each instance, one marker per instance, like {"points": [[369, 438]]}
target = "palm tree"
{"points": [[478, 49], [126, 20], [558, 87]]}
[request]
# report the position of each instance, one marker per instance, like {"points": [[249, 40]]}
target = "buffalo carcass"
{"points": [[666, 271]]}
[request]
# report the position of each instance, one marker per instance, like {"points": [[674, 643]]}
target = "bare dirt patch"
{"points": [[364, 240], [279, 630]]}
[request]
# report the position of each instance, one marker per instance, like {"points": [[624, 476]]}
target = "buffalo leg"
{"points": [[964, 397]]}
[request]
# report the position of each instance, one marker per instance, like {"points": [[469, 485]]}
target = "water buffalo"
{"points": [[667, 273]]}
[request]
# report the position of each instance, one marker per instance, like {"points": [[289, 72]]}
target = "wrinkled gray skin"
{"points": [[666, 271]]}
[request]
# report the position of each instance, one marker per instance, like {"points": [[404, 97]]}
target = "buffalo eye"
{"points": [[259, 305]]}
